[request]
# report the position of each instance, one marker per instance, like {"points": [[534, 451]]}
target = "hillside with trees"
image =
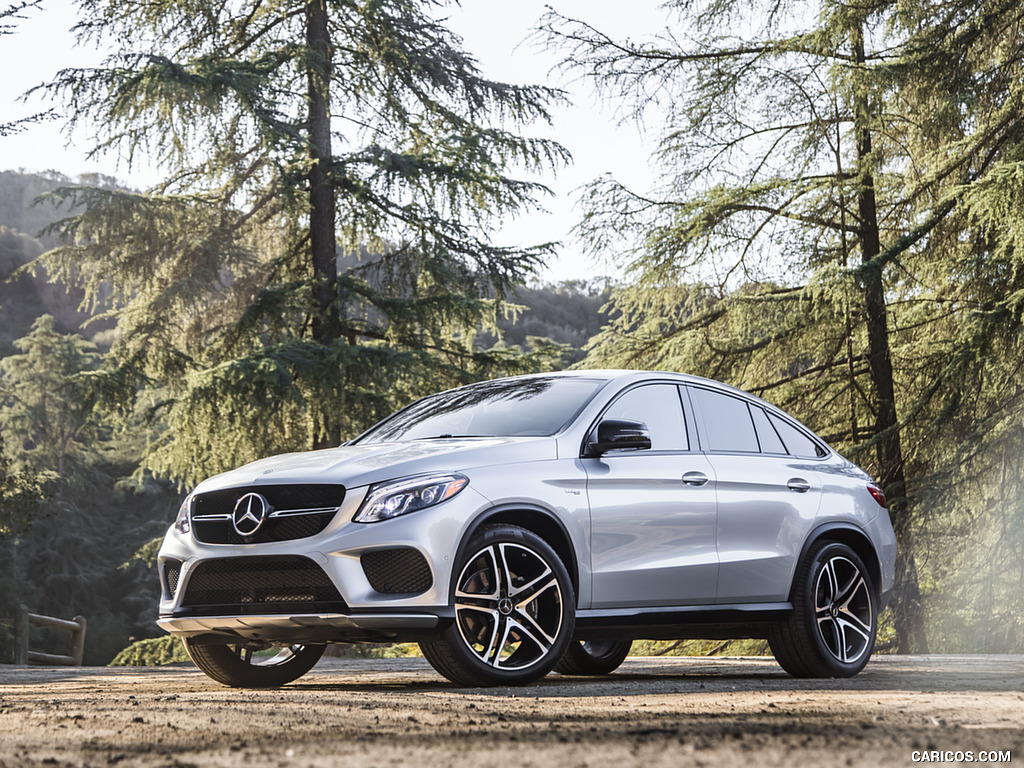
{"points": [[24, 218]]}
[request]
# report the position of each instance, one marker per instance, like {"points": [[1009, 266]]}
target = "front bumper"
{"points": [[345, 604], [307, 628]]}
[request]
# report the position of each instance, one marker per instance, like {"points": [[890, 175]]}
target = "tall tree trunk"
{"points": [[323, 242], [907, 609]]}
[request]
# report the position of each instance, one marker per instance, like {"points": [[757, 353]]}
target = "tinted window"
{"points": [[502, 408], [766, 435], [658, 406], [726, 421], [797, 442]]}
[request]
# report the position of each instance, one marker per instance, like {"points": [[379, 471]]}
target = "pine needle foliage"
{"points": [[10, 14], [838, 228], [294, 135], [20, 495]]}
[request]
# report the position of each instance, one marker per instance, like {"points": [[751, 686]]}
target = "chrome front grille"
{"points": [[298, 511]]}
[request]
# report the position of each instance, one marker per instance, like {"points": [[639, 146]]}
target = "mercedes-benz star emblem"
{"points": [[250, 512]]}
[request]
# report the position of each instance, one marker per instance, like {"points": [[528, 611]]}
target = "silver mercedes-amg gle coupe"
{"points": [[537, 523]]}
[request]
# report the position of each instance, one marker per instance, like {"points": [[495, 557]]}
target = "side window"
{"points": [[766, 435], [727, 421], [657, 406], [797, 443]]}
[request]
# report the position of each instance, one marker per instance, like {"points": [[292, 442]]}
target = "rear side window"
{"points": [[766, 434], [727, 422], [798, 443]]}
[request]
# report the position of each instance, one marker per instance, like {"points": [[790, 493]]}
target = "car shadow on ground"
{"points": [[640, 676]]}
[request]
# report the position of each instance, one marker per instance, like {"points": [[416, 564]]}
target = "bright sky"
{"points": [[493, 30]]}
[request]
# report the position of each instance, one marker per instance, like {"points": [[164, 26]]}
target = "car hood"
{"points": [[356, 465]]}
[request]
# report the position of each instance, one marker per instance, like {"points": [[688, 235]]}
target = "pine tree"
{"points": [[20, 494], [827, 232], [46, 411], [9, 15], [292, 131]]}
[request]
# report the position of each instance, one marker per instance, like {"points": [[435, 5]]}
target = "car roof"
{"points": [[627, 375]]}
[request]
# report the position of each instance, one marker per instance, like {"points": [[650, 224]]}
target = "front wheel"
{"points": [[831, 632], [243, 666], [514, 612], [593, 657]]}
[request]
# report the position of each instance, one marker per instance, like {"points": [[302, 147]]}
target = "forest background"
{"points": [[837, 226]]}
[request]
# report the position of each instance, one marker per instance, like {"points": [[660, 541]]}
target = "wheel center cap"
{"points": [[834, 610], [505, 606]]}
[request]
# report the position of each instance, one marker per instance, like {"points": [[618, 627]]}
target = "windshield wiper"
{"points": [[447, 436]]}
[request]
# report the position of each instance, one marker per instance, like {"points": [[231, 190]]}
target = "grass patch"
{"points": [[373, 651], [154, 652], [700, 648]]}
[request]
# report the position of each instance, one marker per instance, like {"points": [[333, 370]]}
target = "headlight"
{"points": [[182, 524], [399, 497]]}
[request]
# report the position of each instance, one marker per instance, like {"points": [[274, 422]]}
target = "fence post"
{"points": [[78, 641], [21, 635]]}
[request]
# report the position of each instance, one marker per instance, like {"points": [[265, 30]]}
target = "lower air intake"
{"points": [[172, 570], [397, 571], [266, 584]]}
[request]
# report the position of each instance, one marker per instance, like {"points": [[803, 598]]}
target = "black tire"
{"points": [[237, 666], [593, 657], [831, 632], [514, 611]]}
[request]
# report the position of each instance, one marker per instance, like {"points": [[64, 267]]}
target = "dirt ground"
{"points": [[652, 712]]}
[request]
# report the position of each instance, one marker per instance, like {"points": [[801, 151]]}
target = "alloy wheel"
{"points": [[843, 611], [508, 606], [247, 654]]}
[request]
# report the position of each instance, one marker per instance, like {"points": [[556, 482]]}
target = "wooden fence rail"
{"points": [[24, 655]]}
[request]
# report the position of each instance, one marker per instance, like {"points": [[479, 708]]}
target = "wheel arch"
{"points": [[855, 539], [537, 520]]}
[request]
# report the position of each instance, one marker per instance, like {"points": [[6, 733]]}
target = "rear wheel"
{"points": [[831, 632], [514, 612], [593, 657], [245, 666]]}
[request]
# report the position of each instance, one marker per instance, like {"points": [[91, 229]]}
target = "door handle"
{"points": [[799, 485], [695, 479]]}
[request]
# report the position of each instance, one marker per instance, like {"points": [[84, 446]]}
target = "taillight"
{"points": [[875, 491]]}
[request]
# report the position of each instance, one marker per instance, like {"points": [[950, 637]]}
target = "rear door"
{"points": [[653, 511], [767, 496]]}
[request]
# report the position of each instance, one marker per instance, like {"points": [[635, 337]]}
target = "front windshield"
{"points": [[538, 405]]}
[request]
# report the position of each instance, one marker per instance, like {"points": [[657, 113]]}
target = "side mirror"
{"points": [[618, 433]]}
